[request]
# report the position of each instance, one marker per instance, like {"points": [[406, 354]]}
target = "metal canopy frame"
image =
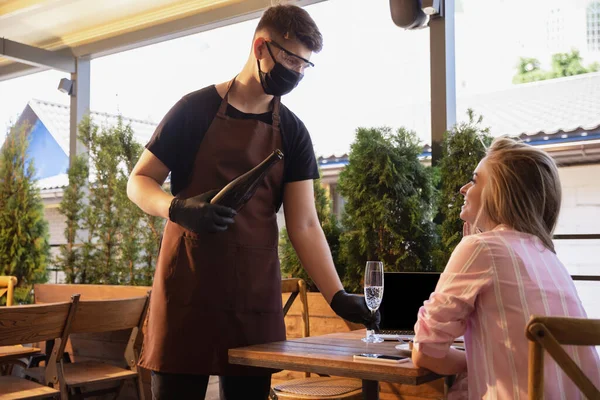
{"points": [[442, 75], [37, 57]]}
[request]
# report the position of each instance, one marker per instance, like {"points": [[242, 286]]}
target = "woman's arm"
{"points": [[444, 316], [453, 363]]}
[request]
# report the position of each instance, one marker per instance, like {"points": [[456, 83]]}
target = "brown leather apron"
{"points": [[217, 291]]}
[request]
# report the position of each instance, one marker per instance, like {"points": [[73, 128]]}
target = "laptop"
{"points": [[403, 295]]}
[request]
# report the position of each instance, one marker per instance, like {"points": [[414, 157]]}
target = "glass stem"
{"points": [[371, 332]]}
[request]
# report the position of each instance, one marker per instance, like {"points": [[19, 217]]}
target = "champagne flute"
{"points": [[373, 294]]}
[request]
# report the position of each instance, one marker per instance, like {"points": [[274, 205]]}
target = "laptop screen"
{"points": [[403, 295]]}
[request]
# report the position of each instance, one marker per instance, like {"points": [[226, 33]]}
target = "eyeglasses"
{"points": [[289, 59]]}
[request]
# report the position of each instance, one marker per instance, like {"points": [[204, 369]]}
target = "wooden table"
{"points": [[333, 355], [10, 355]]}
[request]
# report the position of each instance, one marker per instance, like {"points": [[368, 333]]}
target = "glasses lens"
{"points": [[290, 60], [293, 63]]}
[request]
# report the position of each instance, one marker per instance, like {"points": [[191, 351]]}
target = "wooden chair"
{"points": [[98, 316], [549, 333], [29, 324], [7, 287], [53, 293], [315, 388]]}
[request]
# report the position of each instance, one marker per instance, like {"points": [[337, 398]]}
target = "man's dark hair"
{"points": [[292, 22]]}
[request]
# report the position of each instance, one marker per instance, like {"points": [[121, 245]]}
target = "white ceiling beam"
{"points": [[36, 57]]}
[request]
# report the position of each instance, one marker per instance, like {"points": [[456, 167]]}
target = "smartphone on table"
{"points": [[380, 358]]}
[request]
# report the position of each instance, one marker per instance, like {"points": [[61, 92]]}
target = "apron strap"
{"points": [[276, 119], [224, 102], [223, 106]]}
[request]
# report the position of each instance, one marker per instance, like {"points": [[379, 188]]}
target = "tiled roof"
{"points": [[53, 182], [56, 118], [563, 105], [548, 107]]}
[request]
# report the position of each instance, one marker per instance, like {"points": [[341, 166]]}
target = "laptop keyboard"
{"points": [[395, 332]]}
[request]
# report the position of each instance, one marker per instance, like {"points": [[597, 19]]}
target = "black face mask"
{"points": [[279, 80]]}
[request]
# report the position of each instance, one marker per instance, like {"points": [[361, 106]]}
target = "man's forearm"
{"points": [[314, 254], [149, 196]]}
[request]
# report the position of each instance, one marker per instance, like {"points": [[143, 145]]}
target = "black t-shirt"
{"points": [[178, 136]]}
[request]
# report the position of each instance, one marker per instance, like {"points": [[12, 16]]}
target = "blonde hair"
{"points": [[523, 190]]}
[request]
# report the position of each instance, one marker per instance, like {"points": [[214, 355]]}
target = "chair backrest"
{"points": [[35, 323], [295, 287], [549, 333], [96, 316], [7, 286], [52, 293]]}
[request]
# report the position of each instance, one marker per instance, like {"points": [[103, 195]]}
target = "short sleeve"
{"points": [[301, 162], [168, 136], [444, 316]]}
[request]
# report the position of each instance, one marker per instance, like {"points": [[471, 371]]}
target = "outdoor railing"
{"points": [[580, 236]]}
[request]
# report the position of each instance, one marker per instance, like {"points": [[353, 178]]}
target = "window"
{"points": [[593, 26], [555, 30]]}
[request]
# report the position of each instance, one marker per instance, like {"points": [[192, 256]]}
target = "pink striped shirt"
{"points": [[493, 283]]}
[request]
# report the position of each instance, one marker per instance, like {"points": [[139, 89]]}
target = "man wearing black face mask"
{"points": [[217, 283]]}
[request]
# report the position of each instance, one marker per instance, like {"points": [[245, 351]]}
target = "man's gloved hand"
{"points": [[198, 215], [353, 308]]}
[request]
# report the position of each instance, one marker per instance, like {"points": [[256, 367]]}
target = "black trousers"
{"points": [[193, 387]]}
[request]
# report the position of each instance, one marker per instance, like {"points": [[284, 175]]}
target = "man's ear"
{"points": [[259, 47]]}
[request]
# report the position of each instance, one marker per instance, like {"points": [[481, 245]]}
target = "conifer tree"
{"points": [[131, 237], [388, 207], [462, 149], [119, 241], [88, 132], [73, 207], [24, 247], [101, 219]]}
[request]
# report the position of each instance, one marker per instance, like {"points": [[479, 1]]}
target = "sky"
{"points": [[370, 72]]}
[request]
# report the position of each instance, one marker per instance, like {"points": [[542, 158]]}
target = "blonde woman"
{"points": [[498, 276]]}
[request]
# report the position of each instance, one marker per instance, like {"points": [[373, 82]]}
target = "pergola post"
{"points": [[443, 76], [80, 104], [78, 67]]}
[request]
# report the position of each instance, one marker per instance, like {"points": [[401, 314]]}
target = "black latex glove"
{"points": [[353, 308], [198, 215]]}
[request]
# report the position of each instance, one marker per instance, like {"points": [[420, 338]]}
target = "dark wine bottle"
{"points": [[240, 190]]}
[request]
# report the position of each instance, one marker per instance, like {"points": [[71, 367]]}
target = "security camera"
{"points": [[66, 86], [414, 14]]}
